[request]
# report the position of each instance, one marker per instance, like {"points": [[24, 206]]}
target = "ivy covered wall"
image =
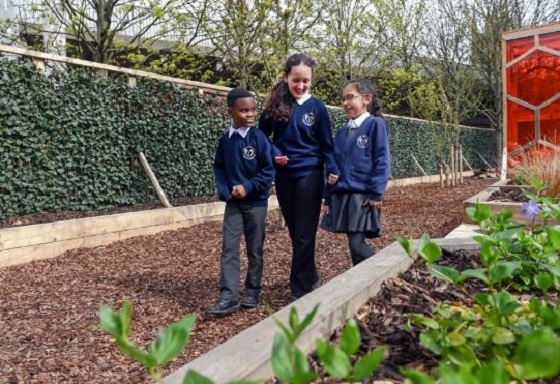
{"points": [[70, 141]]}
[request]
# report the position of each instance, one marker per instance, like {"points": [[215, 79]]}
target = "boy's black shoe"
{"points": [[223, 307], [250, 301]]}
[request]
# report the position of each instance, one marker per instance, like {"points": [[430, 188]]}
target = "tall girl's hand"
{"points": [[326, 209], [373, 203], [332, 179]]}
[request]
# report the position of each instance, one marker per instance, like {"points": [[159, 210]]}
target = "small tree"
{"points": [[97, 26]]}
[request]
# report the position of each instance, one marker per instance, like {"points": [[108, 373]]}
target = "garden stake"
{"points": [[461, 162], [452, 170], [155, 183]]}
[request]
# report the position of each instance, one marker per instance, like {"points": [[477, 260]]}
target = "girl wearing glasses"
{"points": [[302, 148], [353, 201]]}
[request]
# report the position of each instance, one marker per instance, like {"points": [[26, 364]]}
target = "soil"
{"points": [[414, 291], [508, 196], [48, 313]]}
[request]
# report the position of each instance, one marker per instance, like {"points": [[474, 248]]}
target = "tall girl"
{"points": [[353, 201], [302, 147]]}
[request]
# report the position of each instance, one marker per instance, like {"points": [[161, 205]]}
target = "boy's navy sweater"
{"points": [[364, 160], [306, 139], [246, 161]]}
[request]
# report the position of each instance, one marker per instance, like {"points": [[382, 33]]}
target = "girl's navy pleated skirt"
{"points": [[349, 214]]}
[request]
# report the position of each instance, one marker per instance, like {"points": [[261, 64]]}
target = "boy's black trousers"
{"points": [[238, 219], [300, 201]]}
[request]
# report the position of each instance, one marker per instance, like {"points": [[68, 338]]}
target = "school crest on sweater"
{"points": [[309, 118], [249, 152], [362, 141]]}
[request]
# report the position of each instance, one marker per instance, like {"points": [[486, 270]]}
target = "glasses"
{"points": [[352, 97]]}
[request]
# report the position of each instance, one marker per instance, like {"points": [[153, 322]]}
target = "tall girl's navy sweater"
{"points": [[246, 161], [306, 139]]}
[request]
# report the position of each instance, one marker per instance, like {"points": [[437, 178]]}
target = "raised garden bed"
{"points": [[247, 355], [49, 311], [501, 196], [22, 244]]}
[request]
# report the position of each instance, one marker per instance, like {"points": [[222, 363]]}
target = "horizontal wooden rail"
{"points": [[38, 56]]}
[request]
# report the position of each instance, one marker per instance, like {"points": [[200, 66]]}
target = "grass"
{"points": [[540, 163]]}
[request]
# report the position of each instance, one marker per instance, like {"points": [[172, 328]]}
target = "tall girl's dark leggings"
{"points": [[300, 202]]}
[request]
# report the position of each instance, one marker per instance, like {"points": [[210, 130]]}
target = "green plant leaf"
{"points": [[416, 377], [544, 281], [368, 364], [333, 360], [480, 274], [554, 236], [306, 321], [193, 377], [350, 339], [444, 273], [428, 250], [125, 313], [424, 321], [479, 212], [503, 270], [456, 339], [504, 303], [281, 358], [493, 372], [293, 319], [171, 340], [110, 321], [429, 340], [137, 354], [462, 355], [303, 373], [502, 336], [536, 356], [406, 244]]}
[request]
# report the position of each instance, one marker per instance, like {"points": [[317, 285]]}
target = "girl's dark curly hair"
{"points": [[363, 87], [280, 104]]}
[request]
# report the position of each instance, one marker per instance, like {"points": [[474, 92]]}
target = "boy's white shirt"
{"points": [[303, 99], [242, 131], [360, 119]]}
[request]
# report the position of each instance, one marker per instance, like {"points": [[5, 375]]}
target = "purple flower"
{"points": [[530, 209]]}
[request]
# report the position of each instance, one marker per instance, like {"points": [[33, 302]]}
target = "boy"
{"points": [[244, 171]]}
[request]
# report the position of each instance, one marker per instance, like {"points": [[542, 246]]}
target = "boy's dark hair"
{"points": [[280, 104], [363, 87], [237, 93]]}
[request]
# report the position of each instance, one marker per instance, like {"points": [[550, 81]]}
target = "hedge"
{"points": [[70, 140]]}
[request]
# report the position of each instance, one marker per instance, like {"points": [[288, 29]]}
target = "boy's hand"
{"points": [[373, 203], [238, 191], [332, 179], [281, 160], [326, 209]]}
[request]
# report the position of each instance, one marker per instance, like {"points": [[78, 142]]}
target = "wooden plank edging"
{"points": [[247, 355], [35, 242]]}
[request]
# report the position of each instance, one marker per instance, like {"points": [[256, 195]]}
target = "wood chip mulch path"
{"points": [[48, 308]]}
